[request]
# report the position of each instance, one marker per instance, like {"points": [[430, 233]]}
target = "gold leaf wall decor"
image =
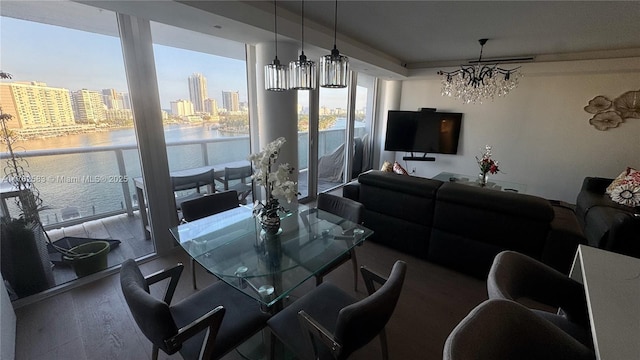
{"points": [[610, 114], [628, 105]]}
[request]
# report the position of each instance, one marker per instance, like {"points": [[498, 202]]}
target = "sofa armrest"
{"points": [[565, 234], [624, 234], [596, 185], [352, 190]]}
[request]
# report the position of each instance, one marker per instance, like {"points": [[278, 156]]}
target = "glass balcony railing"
{"points": [[86, 183]]}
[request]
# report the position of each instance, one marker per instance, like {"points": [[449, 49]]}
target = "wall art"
{"points": [[610, 114]]}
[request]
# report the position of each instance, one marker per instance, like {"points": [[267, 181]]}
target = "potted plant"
{"points": [[276, 183], [25, 260]]}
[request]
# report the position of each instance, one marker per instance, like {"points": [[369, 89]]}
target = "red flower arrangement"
{"points": [[486, 163]]}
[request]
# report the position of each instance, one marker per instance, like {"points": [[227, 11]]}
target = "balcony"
{"points": [[90, 192]]}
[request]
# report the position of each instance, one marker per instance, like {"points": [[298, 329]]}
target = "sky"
{"points": [[73, 59], [76, 60]]}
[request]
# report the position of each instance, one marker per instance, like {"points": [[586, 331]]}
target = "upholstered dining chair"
{"points": [[553, 295], [206, 206], [505, 330], [350, 210], [327, 323], [205, 325]]}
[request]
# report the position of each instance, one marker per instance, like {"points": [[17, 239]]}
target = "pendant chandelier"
{"points": [[479, 82], [276, 75], [302, 72], [334, 67]]}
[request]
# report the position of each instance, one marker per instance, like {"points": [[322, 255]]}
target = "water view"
{"points": [[89, 179]]}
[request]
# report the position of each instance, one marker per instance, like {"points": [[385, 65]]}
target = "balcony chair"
{"points": [[192, 181], [517, 277], [206, 206], [350, 210], [503, 329], [205, 325], [243, 187], [333, 324]]}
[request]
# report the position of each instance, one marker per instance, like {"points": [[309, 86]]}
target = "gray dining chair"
{"points": [[204, 206], [503, 329], [243, 176], [205, 325], [347, 209], [556, 297], [328, 323], [192, 182]]}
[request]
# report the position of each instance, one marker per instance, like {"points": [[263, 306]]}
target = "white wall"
{"points": [[540, 132]]}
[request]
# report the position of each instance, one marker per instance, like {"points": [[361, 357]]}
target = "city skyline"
{"points": [[100, 65]]}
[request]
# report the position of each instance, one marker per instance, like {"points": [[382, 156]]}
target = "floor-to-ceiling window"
{"points": [[363, 123], [73, 122], [202, 83], [332, 136]]}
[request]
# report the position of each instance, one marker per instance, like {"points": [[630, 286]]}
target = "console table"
{"points": [[612, 285], [473, 181]]}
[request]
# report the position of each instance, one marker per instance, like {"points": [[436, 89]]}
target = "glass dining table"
{"points": [[232, 246]]}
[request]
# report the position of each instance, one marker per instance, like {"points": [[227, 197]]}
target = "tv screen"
{"points": [[423, 131]]}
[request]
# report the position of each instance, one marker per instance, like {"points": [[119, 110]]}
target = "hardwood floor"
{"points": [[94, 322]]}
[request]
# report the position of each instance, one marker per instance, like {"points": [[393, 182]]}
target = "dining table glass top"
{"points": [[232, 246]]}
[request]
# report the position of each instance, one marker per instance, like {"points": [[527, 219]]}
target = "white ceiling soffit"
{"points": [[258, 16], [94, 18]]}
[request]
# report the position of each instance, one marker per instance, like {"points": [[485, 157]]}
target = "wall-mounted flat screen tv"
{"points": [[423, 131]]}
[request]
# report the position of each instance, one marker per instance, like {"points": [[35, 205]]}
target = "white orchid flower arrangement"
{"points": [[276, 183]]}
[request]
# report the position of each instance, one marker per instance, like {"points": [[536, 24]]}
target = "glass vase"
{"points": [[269, 218], [483, 178]]}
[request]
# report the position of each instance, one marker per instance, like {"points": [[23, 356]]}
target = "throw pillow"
{"points": [[387, 166], [627, 194], [398, 169], [628, 175]]}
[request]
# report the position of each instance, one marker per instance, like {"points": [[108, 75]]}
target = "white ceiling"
{"points": [[389, 38], [395, 36], [418, 32]]}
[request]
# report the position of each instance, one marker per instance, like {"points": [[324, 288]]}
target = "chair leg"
{"points": [[354, 262], [383, 345], [193, 273], [154, 353]]}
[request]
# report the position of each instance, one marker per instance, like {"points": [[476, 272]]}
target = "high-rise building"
{"points": [[211, 106], [89, 106], [112, 99], [198, 91], [35, 105], [126, 101], [231, 100], [182, 108]]}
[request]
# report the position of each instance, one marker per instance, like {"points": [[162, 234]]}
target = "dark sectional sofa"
{"points": [[463, 227], [607, 225]]}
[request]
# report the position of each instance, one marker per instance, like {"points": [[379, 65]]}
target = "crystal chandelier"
{"points": [[302, 73], [334, 67], [276, 75], [479, 82]]}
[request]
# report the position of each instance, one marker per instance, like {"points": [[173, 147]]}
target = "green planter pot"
{"points": [[91, 257]]}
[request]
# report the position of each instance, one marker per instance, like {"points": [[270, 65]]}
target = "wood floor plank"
{"points": [[106, 326], [55, 234], [45, 325], [77, 231], [96, 229]]}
